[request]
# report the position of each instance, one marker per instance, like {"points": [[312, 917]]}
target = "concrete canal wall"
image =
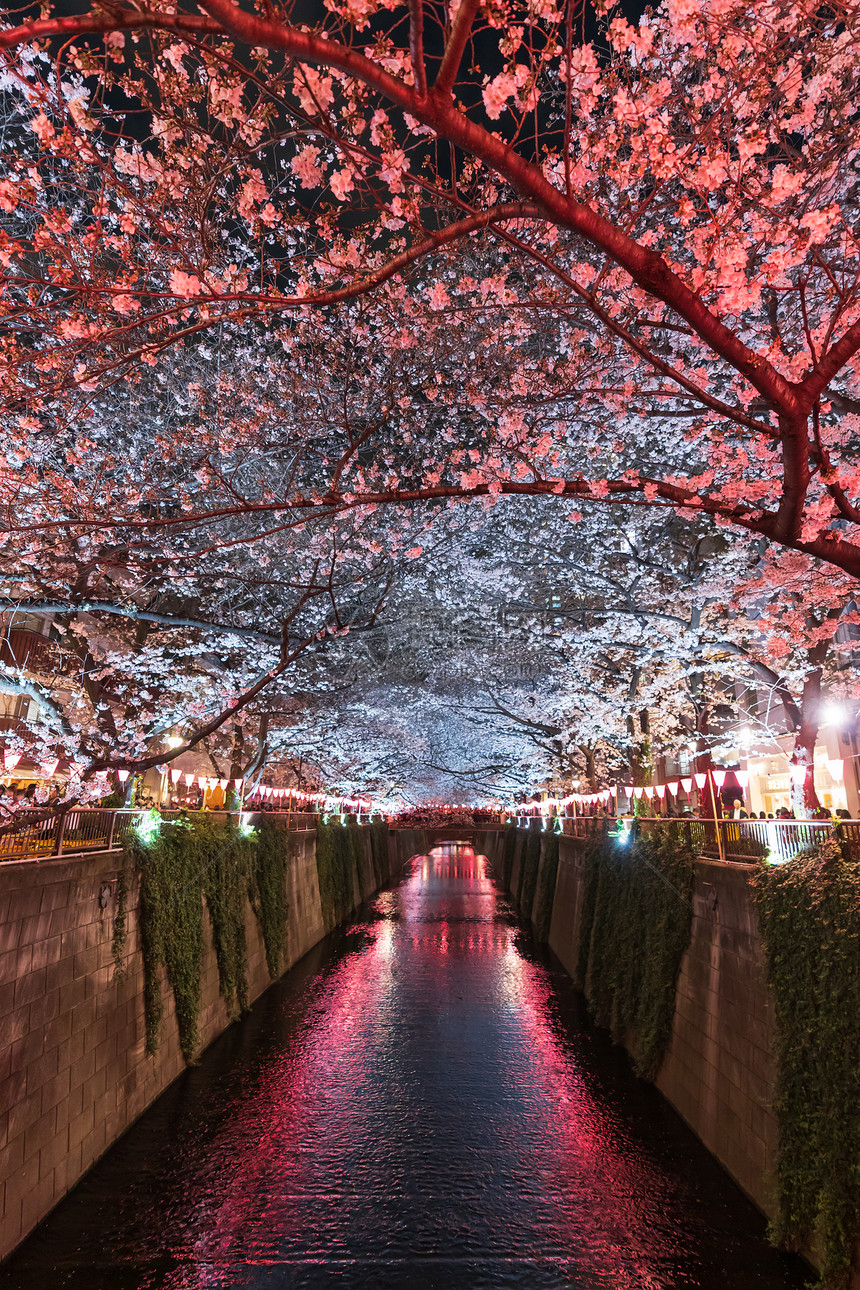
{"points": [[719, 1070], [74, 1074]]}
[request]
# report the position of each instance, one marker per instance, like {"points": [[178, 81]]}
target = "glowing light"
{"points": [[687, 784], [174, 776], [836, 766], [700, 777], [743, 777], [222, 784], [148, 826], [190, 778], [798, 774], [832, 714], [719, 777], [174, 741]]}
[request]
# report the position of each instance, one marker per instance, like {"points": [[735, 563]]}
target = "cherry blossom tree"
{"points": [[669, 212]]}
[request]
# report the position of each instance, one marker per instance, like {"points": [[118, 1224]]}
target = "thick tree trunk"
{"points": [[804, 799]]}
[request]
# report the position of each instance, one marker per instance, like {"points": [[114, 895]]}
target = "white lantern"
{"points": [[719, 777]]}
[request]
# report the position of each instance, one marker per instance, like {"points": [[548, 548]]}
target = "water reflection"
{"points": [[418, 1105]]}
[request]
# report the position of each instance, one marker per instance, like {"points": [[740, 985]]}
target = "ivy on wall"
{"points": [[529, 865], [636, 924], [335, 869], [546, 888], [271, 853], [379, 851], [181, 863], [509, 855], [809, 915], [171, 927], [120, 922]]}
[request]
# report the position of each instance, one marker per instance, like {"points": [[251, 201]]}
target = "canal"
{"points": [[420, 1103]]}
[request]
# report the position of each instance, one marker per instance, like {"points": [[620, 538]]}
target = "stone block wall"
{"points": [[73, 1071], [719, 1071]]}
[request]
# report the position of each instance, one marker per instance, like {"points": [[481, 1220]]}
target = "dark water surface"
{"points": [[418, 1104]]}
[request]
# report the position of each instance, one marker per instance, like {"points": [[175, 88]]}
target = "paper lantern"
{"points": [[687, 784], [11, 759], [189, 778], [661, 790], [174, 776], [223, 784], [700, 777], [203, 782], [48, 767], [237, 784], [836, 766], [122, 775], [649, 792], [673, 787], [719, 777], [743, 777]]}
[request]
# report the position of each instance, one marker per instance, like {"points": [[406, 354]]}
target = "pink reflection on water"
{"points": [[314, 1100]]}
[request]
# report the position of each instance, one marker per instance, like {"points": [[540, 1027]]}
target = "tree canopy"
{"points": [[284, 289]]}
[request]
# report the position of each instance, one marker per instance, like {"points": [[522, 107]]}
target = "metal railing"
{"points": [[738, 841], [40, 835]]}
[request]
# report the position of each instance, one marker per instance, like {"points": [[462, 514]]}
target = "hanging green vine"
{"points": [[171, 927], [509, 855], [546, 889], [225, 866], [636, 924], [379, 851], [120, 922], [809, 914], [271, 854], [181, 862], [335, 871], [529, 865]]}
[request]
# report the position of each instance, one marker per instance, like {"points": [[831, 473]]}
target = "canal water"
{"points": [[419, 1104]]}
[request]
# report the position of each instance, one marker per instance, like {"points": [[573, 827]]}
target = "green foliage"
{"points": [[809, 914], [171, 928], [379, 850], [636, 924], [529, 866], [359, 855], [120, 922], [509, 855], [181, 862], [335, 868], [271, 852], [546, 891], [225, 865]]}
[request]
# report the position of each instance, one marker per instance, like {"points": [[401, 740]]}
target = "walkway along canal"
{"points": [[419, 1103]]}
